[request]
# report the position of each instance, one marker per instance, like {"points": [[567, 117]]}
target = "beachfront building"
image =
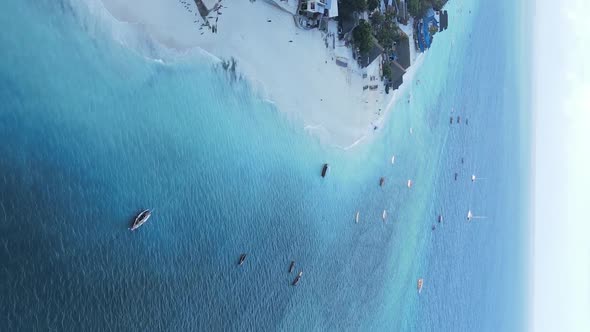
{"points": [[316, 13], [397, 73], [426, 27], [399, 62], [327, 8]]}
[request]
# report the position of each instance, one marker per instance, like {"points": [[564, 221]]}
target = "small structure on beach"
{"points": [[328, 8], [316, 13], [397, 73]]}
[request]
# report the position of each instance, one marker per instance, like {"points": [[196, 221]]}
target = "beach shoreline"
{"points": [[293, 68]]}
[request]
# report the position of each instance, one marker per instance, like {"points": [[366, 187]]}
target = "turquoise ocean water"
{"points": [[91, 132]]}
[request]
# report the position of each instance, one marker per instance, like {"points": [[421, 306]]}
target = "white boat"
{"points": [[473, 178], [471, 216], [297, 278], [409, 183], [141, 218], [420, 284], [393, 159], [384, 214], [411, 130], [357, 217]]}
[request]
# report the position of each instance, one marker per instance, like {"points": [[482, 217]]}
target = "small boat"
{"points": [[458, 119], [411, 130], [469, 215], [324, 170], [440, 218], [451, 120], [409, 183], [356, 218], [433, 227], [462, 160], [466, 121], [420, 284], [292, 266], [384, 215], [141, 218], [456, 176], [381, 181], [242, 259], [473, 178], [393, 159], [297, 278]]}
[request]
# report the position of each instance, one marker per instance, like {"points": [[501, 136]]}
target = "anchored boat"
{"points": [[297, 278], [242, 259], [324, 170], [141, 218]]}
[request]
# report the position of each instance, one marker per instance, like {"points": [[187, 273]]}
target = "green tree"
{"points": [[387, 36], [377, 20], [417, 8], [438, 4], [387, 71], [372, 5], [388, 32], [362, 36]]}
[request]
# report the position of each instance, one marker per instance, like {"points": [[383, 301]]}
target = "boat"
{"points": [[451, 120], [357, 217], [324, 170], [473, 178], [411, 130], [141, 218], [440, 218], [420, 284], [471, 216], [458, 119], [242, 259], [393, 159], [292, 266], [409, 183], [466, 121], [456, 176], [297, 278], [381, 181], [384, 215]]}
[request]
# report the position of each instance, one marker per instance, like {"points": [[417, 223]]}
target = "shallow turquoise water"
{"points": [[92, 132]]}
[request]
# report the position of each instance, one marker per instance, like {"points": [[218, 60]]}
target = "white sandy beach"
{"points": [[292, 67]]}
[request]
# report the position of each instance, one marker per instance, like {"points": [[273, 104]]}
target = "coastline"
{"points": [[328, 101], [228, 173]]}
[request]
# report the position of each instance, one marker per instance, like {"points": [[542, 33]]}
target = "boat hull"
{"points": [[141, 219]]}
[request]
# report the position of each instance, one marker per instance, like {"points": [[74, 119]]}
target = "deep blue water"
{"points": [[92, 132]]}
